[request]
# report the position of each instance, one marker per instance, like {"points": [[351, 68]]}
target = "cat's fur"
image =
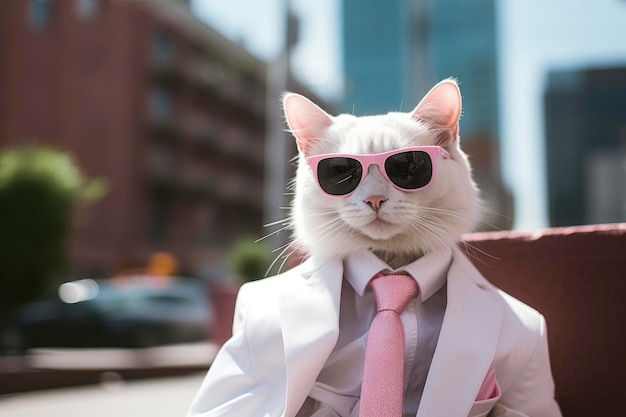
{"points": [[408, 224]]}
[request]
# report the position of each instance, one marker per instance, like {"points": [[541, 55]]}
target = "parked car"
{"points": [[138, 311]]}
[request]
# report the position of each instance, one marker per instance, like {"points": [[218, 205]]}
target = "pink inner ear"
{"points": [[306, 120], [441, 107]]}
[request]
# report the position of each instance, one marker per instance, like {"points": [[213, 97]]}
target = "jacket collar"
{"points": [[467, 343]]}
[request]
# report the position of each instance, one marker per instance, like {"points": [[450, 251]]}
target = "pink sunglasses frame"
{"points": [[378, 159]]}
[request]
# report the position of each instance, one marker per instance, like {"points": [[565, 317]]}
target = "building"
{"points": [[416, 44], [586, 146], [145, 95], [375, 67]]}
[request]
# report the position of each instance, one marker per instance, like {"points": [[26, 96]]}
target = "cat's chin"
{"points": [[380, 230]]}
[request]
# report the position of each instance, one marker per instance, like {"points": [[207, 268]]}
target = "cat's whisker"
{"points": [[486, 214], [277, 222], [325, 229], [474, 247], [280, 248], [466, 244], [320, 214], [432, 230], [286, 258], [444, 211], [285, 223], [262, 238], [332, 227], [284, 249]]}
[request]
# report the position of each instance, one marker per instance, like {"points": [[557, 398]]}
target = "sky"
{"points": [[259, 26], [535, 36]]}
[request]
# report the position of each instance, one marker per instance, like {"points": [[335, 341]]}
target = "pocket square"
{"points": [[489, 389]]}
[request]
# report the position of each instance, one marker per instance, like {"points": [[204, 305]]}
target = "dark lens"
{"points": [[409, 170], [339, 176]]}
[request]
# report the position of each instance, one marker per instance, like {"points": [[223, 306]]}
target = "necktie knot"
{"points": [[393, 292]]}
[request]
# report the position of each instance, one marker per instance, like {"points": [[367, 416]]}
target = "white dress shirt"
{"points": [[337, 389]]}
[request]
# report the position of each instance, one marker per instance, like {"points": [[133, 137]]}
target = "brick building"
{"points": [[144, 94]]}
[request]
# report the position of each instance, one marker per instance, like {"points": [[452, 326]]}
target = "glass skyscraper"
{"points": [[394, 51]]}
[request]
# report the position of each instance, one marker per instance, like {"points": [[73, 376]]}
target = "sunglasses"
{"points": [[407, 169]]}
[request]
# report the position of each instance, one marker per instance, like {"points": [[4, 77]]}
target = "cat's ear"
{"points": [[306, 120], [441, 109]]}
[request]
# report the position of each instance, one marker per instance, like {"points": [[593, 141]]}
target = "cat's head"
{"points": [[399, 226]]}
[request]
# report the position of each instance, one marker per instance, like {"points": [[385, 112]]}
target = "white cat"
{"points": [[398, 226], [399, 186]]}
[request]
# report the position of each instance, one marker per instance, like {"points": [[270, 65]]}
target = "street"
{"points": [[165, 397]]}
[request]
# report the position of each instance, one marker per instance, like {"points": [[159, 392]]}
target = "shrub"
{"points": [[249, 260], [39, 187]]}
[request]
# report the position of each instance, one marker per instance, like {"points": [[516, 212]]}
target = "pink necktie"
{"points": [[383, 371]]}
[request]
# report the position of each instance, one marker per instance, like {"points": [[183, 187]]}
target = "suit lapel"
{"points": [[466, 346], [309, 310]]}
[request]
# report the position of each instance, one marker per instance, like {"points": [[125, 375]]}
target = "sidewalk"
{"points": [[54, 368], [161, 397]]}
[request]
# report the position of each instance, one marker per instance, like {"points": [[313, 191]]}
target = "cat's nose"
{"points": [[375, 202]]}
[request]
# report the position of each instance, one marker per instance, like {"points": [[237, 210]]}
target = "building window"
{"points": [[40, 13], [606, 199], [162, 47], [160, 212], [160, 103], [86, 9]]}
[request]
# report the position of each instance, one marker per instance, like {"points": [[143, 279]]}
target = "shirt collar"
{"points": [[429, 271]]}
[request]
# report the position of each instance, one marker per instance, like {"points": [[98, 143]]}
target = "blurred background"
{"points": [[142, 144]]}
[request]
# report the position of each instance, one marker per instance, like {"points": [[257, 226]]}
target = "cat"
{"points": [[364, 189], [401, 226]]}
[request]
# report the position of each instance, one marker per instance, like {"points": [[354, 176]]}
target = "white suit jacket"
{"points": [[286, 326]]}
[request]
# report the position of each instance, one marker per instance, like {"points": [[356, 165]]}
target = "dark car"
{"points": [[138, 311]]}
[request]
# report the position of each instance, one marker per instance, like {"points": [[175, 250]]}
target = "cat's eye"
{"points": [[408, 169], [340, 176]]}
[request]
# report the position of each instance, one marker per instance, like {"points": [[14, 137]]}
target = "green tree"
{"points": [[39, 187], [249, 259]]}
